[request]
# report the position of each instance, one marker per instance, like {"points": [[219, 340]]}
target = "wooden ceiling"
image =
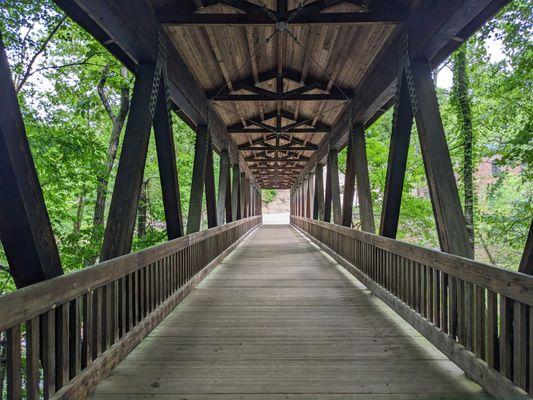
{"points": [[277, 86]]}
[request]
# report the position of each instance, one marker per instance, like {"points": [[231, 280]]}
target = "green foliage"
{"points": [[268, 195]]}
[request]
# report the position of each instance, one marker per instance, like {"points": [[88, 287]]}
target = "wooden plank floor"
{"points": [[281, 320]]}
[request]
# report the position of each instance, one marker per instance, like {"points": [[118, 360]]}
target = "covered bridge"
{"points": [[276, 88]]}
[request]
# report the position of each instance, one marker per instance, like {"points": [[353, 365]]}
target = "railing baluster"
{"points": [[88, 325], [14, 363], [506, 345], [48, 353], [32, 359], [492, 355], [74, 338], [520, 344], [62, 350]]}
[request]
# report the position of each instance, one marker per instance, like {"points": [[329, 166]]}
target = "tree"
{"points": [[117, 120], [460, 100]]}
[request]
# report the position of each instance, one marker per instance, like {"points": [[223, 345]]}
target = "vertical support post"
{"points": [[305, 192], [333, 166], [300, 200], [25, 227], [449, 218], [327, 199], [363, 181], [229, 209], [526, 264], [242, 195], [311, 194], [121, 220], [166, 159], [235, 201], [198, 174], [210, 195], [319, 192], [399, 148], [223, 179], [349, 181]]}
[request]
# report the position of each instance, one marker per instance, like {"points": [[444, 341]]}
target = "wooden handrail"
{"points": [[515, 285], [77, 326], [479, 315]]}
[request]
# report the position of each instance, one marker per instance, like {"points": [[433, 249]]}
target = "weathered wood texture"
{"points": [[364, 194], [349, 182], [223, 179], [449, 218], [319, 192], [397, 161], [201, 148], [123, 208], [210, 194], [235, 200], [278, 320], [333, 170], [166, 159], [451, 300], [25, 228], [87, 321]]}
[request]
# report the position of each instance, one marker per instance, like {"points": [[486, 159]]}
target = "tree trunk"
{"points": [[462, 103], [79, 214], [118, 121], [142, 210]]}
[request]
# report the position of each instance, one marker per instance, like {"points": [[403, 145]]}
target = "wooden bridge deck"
{"points": [[280, 320]]}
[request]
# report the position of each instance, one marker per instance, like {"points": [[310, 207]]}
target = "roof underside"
{"points": [[318, 67], [274, 78]]}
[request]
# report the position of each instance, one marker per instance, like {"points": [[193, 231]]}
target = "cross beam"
{"points": [[259, 121], [281, 97], [173, 15], [308, 83]]}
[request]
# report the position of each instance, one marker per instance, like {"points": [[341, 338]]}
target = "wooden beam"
{"points": [[333, 166], [198, 176], [259, 121], [262, 130], [274, 148], [280, 97], [327, 198], [173, 16], [364, 194], [25, 229], [223, 179], [235, 201], [311, 194], [399, 147], [166, 159], [349, 182], [228, 205], [309, 83], [434, 29], [526, 263], [319, 192], [276, 159], [242, 195], [210, 194], [121, 219], [449, 218]]}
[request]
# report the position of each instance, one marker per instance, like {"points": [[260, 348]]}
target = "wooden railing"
{"points": [[480, 316], [66, 334]]}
